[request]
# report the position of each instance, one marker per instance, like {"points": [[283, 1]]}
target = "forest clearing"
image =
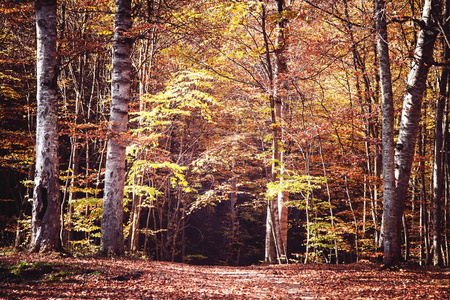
{"points": [[57, 277]]}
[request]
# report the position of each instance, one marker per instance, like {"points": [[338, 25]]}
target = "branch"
{"points": [[421, 23], [334, 15]]}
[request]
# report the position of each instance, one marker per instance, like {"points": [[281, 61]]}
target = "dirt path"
{"points": [[53, 277]]}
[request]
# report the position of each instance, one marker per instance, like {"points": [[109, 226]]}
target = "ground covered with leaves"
{"points": [[34, 276]]}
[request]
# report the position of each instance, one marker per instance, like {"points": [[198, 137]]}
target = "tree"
{"points": [[412, 102], [438, 179], [390, 231], [112, 227], [276, 225], [45, 223]]}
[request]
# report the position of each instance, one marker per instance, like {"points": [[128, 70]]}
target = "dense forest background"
{"points": [[199, 166]]}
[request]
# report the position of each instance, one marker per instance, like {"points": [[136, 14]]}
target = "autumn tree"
{"points": [[389, 197], [439, 149], [411, 111], [276, 225], [46, 198], [112, 221]]}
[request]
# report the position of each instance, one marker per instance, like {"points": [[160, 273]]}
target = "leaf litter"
{"points": [[54, 276]]}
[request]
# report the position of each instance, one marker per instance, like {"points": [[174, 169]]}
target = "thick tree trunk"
{"points": [[112, 227], [390, 230], [45, 224], [412, 102]]}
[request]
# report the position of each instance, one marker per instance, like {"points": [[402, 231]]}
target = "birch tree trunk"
{"points": [[112, 227], [45, 224], [412, 102], [390, 238]]}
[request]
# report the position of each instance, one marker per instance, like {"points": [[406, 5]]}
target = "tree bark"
{"points": [[276, 228], [274, 246], [280, 82], [135, 222], [45, 224], [390, 223], [438, 180], [412, 102], [112, 227], [424, 213]]}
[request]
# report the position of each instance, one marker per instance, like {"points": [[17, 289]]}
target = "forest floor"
{"points": [[53, 276]]}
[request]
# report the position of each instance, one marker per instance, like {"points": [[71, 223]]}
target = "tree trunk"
{"points": [[405, 238], [135, 222], [390, 223], [446, 176], [437, 174], [281, 91], [412, 102], [277, 211], [438, 181], [69, 226], [45, 224], [332, 217], [424, 224], [234, 222], [274, 246], [112, 227]]}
